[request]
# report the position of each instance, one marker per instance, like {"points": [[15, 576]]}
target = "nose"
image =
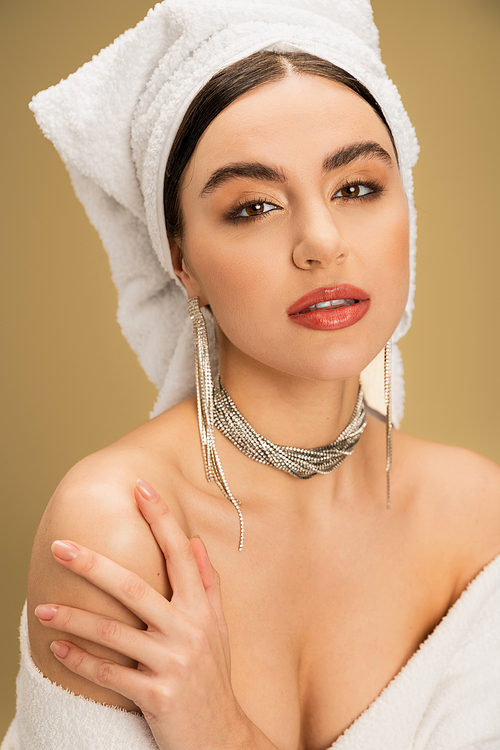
{"points": [[320, 244]]}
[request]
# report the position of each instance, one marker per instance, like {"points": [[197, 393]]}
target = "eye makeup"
{"points": [[374, 186], [232, 214]]}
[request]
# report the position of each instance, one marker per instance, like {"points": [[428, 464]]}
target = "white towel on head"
{"points": [[114, 120], [447, 696]]}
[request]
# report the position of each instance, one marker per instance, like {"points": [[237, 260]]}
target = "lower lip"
{"points": [[334, 319]]}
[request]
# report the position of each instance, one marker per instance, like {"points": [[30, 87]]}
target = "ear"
{"points": [[184, 273]]}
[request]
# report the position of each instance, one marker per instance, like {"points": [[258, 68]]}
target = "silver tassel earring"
{"points": [[205, 404], [388, 416]]}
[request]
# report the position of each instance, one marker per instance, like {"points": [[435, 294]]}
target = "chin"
{"points": [[324, 373], [315, 356], [339, 364]]}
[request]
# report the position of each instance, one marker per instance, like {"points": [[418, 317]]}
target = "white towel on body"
{"points": [[447, 696]]}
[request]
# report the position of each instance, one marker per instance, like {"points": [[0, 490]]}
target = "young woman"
{"points": [[260, 610]]}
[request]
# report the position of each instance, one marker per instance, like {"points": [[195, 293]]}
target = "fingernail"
{"points": [[145, 490], [64, 550], [60, 649], [45, 611]]}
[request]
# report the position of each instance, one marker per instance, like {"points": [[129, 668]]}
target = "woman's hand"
{"points": [[182, 684]]}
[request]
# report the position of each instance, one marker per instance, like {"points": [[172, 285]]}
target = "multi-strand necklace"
{"points": [[299, 462], [216, 409]]}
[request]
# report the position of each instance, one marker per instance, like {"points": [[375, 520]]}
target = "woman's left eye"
{"points": [[356, 190]]}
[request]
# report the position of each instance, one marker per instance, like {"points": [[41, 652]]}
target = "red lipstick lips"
{"points": [[352, 305]]}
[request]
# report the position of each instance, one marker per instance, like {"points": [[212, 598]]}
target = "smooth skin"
{"points": [[185, 636], [332, 593]]}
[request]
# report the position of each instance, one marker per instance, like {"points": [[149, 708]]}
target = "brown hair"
{"points": [[223, 89]]}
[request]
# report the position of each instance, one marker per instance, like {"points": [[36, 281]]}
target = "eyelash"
{"points": [[232, 215], [376, 187]]}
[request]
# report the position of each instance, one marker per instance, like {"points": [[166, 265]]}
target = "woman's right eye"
{"points": [[251, 210]]}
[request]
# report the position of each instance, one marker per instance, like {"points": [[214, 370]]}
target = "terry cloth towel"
{"points": [[113, 123], [447, 696]]}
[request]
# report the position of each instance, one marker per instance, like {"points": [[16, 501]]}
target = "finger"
{"points": [[211, 582], [105, 631], [127, 587], [182, 569], [210, 579], [129, 682]]}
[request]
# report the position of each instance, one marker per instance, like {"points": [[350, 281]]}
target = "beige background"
{"points": [[70, 383]]}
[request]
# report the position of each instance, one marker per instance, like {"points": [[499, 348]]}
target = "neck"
{"points": [[286, 409]]}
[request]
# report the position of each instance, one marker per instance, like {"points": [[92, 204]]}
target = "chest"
{"points": [[319, 626]]}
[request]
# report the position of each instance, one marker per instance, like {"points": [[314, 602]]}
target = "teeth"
{"points": [[332, 304]]}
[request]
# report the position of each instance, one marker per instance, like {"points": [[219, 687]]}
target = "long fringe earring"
{"points": [[388, 416], [205, 405]]}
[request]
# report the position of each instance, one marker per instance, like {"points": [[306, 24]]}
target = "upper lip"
{"points": [[341, 291]]}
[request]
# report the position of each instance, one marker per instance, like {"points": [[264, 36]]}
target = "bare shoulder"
{"points": [[459, 492], [448, 463], [459, 473], [94, 505]]}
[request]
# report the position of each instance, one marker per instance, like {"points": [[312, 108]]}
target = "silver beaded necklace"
{"points": [[216, 409], [299, 462]]}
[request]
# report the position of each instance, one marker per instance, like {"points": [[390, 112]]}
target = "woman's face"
{"points": [[293, 189]]}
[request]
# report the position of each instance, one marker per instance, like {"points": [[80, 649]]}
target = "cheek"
{"points": [[383, 247], [243, 293], [237, 272], [399, 260], [246, 286]]}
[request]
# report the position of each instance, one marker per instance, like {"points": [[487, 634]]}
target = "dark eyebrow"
{"points": [[362, 150], [252, 170], [257, 171]]}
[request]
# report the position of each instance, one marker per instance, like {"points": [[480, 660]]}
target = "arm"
{"points": [[103, 515], [183, 684]]}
